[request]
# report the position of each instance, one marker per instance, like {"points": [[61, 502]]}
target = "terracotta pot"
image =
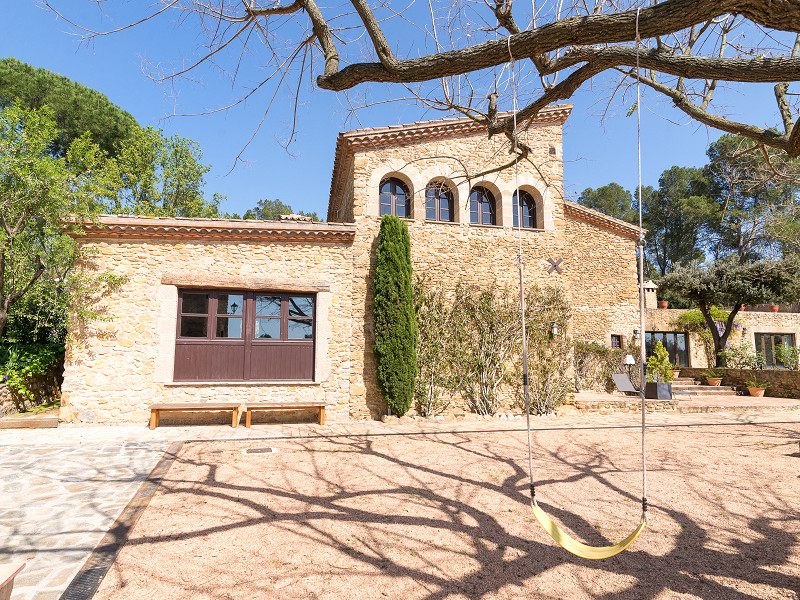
{"points": [[663, 303], [756, 391], [676, 373], [773, 308], [715, 381]]}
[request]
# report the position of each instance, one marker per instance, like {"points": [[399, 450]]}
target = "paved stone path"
{"points": [[61, 489]]}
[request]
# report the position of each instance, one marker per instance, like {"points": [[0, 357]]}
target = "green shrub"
{"points": [[549, 348], [438, 374], [743, 356], [487, 325], [789, 356], [658, 366], [755, 382], [394, 316], [20, 362]]}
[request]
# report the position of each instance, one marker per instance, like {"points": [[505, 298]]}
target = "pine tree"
{"points": [[394, 316]]}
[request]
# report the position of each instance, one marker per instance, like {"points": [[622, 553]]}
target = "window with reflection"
{"points": [[231, 335], [526, 205], [482, 207], [439, 202], [676, 344], [395, 198]]}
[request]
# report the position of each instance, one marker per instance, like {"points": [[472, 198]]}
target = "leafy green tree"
{"points": [[271, 210], [612, 200], [76, 108], [728, 282], [673, 216], [37, 189], [160, 176], [394, 316], [749, 194]]}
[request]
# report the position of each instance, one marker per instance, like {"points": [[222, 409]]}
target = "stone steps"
{"points": [[706, 390]]}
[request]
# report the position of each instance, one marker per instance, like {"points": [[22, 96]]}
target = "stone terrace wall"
{"points": [[599, 269], [121, 366], [782, 383]]}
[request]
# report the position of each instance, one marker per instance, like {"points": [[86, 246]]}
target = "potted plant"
{"points": [[659, 375], [663, 303], [676, 372], [713, 377], [756, 386], [773, 307]]}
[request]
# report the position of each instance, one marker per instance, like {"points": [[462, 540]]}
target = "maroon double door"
{"points": [[236, 335]]}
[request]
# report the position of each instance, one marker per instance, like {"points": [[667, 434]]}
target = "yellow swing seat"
{"points": [[570, 544]]}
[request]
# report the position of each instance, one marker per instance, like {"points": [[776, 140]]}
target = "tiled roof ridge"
{"points": [[127, 226], [595, 217], [421, 129]]}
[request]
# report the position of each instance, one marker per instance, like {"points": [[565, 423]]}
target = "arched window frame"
{"points": [[394, 198], [439, 205], [528, 203], [482, 206]]}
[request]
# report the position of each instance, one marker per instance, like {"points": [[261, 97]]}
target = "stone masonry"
{"points": [[748, 323], [597, 252], [118, 367]]}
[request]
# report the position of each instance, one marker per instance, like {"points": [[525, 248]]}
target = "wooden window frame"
{"points": [[618, 338], [438, 194], [673, 333], [477, 201], [761, 336], [526, 199], [247, 342], [392, 194]]}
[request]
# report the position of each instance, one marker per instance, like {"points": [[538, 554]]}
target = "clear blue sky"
{"points": [[596, 152]]}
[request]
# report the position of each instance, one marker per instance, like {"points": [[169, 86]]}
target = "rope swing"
{"points": [[562, 538]]}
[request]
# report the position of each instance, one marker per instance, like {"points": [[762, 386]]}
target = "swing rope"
{"points": [[562, 538]]}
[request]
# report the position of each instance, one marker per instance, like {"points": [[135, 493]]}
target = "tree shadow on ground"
{"points": [[503, 554]]}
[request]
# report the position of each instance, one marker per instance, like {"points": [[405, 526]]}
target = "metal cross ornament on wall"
{"points": [[554, 266]]}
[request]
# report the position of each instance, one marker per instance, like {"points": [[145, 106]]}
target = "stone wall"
{"points": [[599, 268], [748, 323], [782, 382], [116, 368], [45, 388]]}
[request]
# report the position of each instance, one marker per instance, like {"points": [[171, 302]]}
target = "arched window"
{"points": [[438, 202], [395, 199], [482, 207], [528, 205]]}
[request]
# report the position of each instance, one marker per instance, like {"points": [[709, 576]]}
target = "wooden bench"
{"points": [[251, 406], [157, 409], [7, 574]]}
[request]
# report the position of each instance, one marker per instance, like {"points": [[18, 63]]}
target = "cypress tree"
{"points": [[394, 316]]}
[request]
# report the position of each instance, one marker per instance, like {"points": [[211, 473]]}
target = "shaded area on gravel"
{"points": [[446, 516]]}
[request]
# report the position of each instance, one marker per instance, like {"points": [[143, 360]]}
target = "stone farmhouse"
{"points": [[281, 310]]}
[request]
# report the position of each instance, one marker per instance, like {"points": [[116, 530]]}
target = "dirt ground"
{"points": [[447, 516]]}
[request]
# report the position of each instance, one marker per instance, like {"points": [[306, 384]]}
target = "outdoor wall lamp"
{"points": [[636, 334], [555, 329], [630, 362]]}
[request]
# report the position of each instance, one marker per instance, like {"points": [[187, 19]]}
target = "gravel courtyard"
{"points": [[435, 516]]}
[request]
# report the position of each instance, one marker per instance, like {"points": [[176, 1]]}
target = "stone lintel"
{"points": [[197, 279]]}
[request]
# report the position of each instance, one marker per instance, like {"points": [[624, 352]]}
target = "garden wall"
{"points": [[782, 382], [45, 387]]}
